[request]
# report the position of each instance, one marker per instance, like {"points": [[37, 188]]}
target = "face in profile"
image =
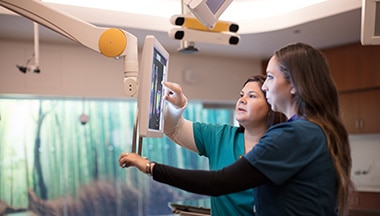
{"points": [[251, 108], [278, 90]]}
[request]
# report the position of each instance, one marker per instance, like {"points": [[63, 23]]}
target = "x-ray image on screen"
{"points": [[156, 91]]}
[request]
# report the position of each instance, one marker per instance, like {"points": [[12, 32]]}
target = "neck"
{"points": [[291, 111], [252, 137]]}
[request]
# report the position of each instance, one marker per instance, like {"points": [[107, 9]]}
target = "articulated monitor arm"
{"points": [[110, 42]]}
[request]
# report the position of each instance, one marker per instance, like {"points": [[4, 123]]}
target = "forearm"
{"points": [[178, 129], [236, 177], [172, 117]]}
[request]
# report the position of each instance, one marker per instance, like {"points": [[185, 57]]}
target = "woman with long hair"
{"points": [[300, 167]]}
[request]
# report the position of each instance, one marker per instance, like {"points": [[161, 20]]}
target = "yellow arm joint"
{"points": [[112, 42]]}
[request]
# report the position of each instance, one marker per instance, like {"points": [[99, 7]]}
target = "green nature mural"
{"points": [[51, 164]]}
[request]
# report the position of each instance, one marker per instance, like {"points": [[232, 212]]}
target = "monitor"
{"points": [[370, 29], [207, 11], [153, 70]]}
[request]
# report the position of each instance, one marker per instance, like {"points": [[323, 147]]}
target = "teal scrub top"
{"points": [[223, 145]]}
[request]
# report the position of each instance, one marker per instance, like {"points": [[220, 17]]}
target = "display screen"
{"points": [[153, 71], [214, 5], [156, 90]]}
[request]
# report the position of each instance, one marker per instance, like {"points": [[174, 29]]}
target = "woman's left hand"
{"points": [[133, 159]]}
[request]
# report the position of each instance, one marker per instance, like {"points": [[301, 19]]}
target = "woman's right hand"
{"points": [[174, 94]]}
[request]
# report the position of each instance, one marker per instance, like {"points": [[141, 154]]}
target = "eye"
{"points": [[269, 77], [241, 95], [252, 96]]}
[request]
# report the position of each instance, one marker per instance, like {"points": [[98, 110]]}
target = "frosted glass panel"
{"points": [[49, 159]]}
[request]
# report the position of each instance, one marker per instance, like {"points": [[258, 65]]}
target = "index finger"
{"points": [[170, 85]]}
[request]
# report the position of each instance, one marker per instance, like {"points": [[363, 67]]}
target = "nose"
{"points": [[264, 86], [242, 100]]}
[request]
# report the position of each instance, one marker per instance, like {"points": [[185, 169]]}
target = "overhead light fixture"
{"points": [[187, 47], [24, 69], [197, 25], [35, 67], [208, 12]]}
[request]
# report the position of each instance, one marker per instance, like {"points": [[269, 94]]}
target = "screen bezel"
{"points": [[368, 36], [145, 83], [202, 11]]}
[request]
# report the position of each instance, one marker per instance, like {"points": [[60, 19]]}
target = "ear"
{"points": [[292, 90]]}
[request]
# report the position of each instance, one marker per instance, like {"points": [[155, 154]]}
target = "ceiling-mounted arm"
{"points": [[186, 46], [110, 42]]}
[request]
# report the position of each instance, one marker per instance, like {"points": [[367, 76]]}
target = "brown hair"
{"points": [[317, 99]]}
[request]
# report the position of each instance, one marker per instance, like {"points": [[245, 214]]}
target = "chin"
{"points": [[238, 120]]}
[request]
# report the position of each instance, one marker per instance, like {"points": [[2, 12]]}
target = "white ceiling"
{"points": [[327, 24]]}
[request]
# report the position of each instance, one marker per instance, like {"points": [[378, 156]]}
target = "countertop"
{"points": [[367, 189]]}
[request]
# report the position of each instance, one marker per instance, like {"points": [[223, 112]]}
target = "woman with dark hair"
{"points": [[223, 144], [300, 167]]}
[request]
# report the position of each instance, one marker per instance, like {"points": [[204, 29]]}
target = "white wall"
{"points": [[75, 71], [365, 152]]}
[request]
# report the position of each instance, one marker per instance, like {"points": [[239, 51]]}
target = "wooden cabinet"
{"points": [[361, 111], [354, 66], [365, 204]]}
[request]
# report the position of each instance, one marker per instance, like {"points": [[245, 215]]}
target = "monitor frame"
{"points": [[150, 104], [206, 12], [369, 10]]}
